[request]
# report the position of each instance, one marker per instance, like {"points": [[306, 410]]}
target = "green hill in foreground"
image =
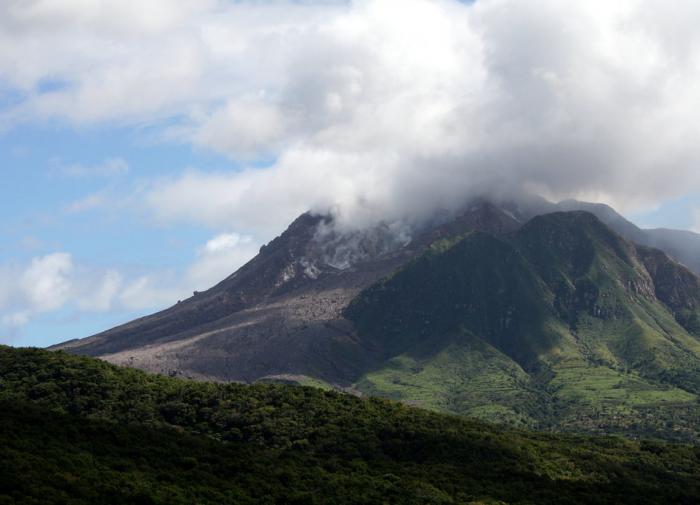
{"points": [[78, 430]]}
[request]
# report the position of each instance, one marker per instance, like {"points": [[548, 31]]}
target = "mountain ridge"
{"points": [[592, 334], [556, 322]]}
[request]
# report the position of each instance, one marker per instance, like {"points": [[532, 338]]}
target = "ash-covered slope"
{"points": [[281, 313]]}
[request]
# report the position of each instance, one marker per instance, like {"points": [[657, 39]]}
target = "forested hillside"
{"points": [[78, 430]]}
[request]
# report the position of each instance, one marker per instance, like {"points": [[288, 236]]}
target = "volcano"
{"points": [[555, 316]]}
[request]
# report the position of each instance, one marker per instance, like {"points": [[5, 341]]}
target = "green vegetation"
{"points": [[467, 376], [76, 430], [564, 325], [296, 380]]}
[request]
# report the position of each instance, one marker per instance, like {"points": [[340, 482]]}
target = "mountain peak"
{"points": [[474, 312]]}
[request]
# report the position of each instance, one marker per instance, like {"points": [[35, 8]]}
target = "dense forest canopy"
{"points": [[78, 430]]}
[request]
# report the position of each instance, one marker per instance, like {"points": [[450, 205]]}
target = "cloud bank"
{"points": [[56, 281], [376, 107]]}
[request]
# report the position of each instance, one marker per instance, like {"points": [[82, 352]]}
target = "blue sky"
{"points": [[39, 191], [679, 213], [146, 153]]}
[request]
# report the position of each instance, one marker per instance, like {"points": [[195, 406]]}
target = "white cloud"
{"points": [[46, 283], [225, 242], [216, 260], [15, 319], [126, 61], [424, 99], [222, 200], [110, 167], [696, 219], [7, 284], [151, 291], [387, 108], [219, 258], [248, 128], [87, 203], [102, 296], [43, 285], [55, 282]]}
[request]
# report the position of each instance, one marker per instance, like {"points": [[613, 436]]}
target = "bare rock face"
{"points": [[675, 286]]}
